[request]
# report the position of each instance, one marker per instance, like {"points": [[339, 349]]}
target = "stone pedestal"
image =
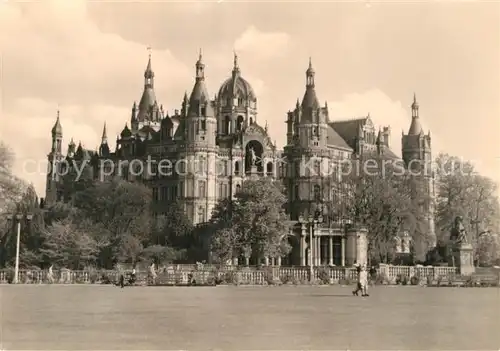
{"points": [[356, 249], [253, 172], [462, 258]]}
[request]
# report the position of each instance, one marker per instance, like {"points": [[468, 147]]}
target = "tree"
{"points": [[461, 191], [117, 210], [254, 224], [386, 199], [11, 187], [66, 245]]}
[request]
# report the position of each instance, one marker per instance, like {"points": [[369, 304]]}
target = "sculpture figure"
{"points": [[253, 156], [458, 234]]}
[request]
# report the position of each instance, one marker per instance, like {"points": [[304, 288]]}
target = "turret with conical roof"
{"points": [[148, 109], [417, 155], [201, 122], [311, 118]]}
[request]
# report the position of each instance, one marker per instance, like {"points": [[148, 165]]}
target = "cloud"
{"points": [[53, 55], [263, 45], [383, 111]]}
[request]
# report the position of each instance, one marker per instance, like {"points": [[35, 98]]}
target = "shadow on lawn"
{"points": [[330, 295]]}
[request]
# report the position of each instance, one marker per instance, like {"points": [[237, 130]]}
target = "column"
{"points": [[318, 251], [330, 250], [266, 261], [279, 261], [350, 255], [302, 250], [342, 251], [362, 246]]}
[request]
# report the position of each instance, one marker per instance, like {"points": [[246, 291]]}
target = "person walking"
{"points": [[363, 280], [50, 275], [358, 283]]}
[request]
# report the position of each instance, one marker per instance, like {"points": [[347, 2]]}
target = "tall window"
{"points": [[201, 214], [201, 188], [317, 193], [155, 194]]}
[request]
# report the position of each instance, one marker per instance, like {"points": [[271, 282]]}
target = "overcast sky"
{"points": [[88, 60]]}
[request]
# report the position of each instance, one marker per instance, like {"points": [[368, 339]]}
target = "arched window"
{"points": [[269, 169], [239, 124], [296, 192], [238, 188], [236, 168], [251, 120], [317, 193], [227, 125]]}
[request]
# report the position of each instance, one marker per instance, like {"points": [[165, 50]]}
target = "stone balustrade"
{"points": [[179, 274]]}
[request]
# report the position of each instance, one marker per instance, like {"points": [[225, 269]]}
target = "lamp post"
{"points": [[18, 217]]}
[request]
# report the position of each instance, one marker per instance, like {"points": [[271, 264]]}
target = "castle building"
{"points": [[205, 151]]}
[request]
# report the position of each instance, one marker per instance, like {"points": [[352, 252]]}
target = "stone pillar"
{"points": [[362, 246], [330, 250], [235, 261], [318, 251], [247, 261], [463, 258], [342, 251], [279, 261], [266, 260], [302, 245], [350, 247]]}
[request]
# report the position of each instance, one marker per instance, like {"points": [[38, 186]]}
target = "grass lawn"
{"points": [[87, 317]]}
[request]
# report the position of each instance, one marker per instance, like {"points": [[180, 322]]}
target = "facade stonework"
{"points": [[212, 145]]}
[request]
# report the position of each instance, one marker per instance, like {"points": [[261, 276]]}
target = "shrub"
{"points": [[324, 275], [232, 277], [346, 281], [381, 279], [290, 279], [402, 279], [415, 280], [429, 280]]}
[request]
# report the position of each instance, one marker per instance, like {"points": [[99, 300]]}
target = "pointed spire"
{"points": [[57, 128], [104, 139], [310, 75], [200, 68], [266, 127], [415, 126]]}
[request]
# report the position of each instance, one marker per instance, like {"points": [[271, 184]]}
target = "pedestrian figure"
{"points": [[122, 280], [363, 280], [152, 272], [50, 275], [358, 283]]}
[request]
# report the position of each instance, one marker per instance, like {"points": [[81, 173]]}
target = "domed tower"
{"points": [[54, 158], [417, 155], [236, 104], [201, 151]]}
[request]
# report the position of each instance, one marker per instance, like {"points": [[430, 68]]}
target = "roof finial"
{"points": [[199, 55], [310, 63], [149, 50], [414, 98], [235, 60]]}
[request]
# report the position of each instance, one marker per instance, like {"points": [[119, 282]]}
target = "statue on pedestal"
{"points": [[458, 234], [253, 156], [461, 250]]}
